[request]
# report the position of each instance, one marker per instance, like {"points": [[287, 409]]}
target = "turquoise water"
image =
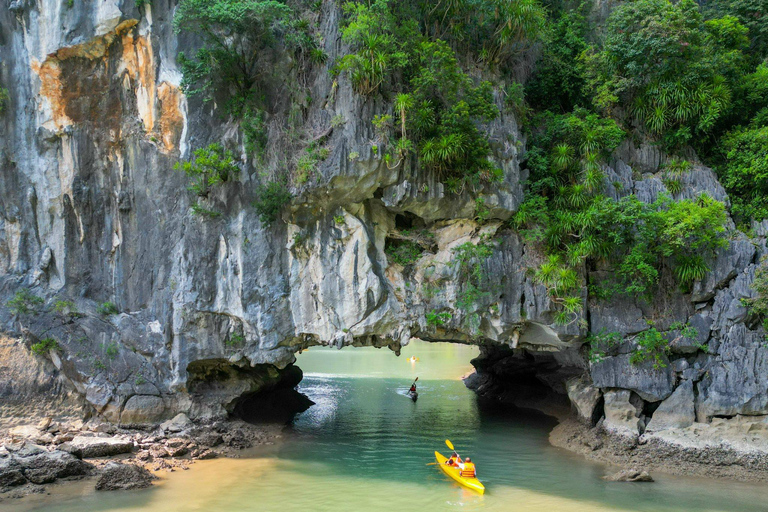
{"points": [[365, 446]]}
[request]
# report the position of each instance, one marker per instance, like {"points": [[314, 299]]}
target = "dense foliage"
{"points": [[409, 51]]}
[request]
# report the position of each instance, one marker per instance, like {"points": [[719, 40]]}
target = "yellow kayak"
{"points": [[455, 473]]}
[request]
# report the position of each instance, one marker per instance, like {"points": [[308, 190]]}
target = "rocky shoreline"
{"points": [[32, 457], [677, 453]]}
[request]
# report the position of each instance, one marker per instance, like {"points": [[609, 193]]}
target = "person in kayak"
{"points": [[453, 460], [468, 468], [413, 388]]}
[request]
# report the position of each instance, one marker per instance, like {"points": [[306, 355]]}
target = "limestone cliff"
{"points": [[209, 311]]}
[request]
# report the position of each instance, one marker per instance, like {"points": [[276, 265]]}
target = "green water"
{"points": [[364, 446]]}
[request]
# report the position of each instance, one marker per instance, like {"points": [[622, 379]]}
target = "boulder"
{"points": [[142, 409], [158, 451], [677, 411], [47, 467], [629, 475], [117, 476], [11, 474], [652, 384], [622, 412], [100, 446], [584, 397], [24, 449], [179, 423]]}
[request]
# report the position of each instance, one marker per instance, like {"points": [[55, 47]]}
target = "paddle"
{"points": [[450, 445]]}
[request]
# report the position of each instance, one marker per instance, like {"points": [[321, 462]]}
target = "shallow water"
{"points": [[365, 446]]}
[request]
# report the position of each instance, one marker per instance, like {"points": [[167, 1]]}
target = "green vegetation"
{"points": [[436, 104], [235, 339], [307, 164], [270, 199], [242, 41], [403, 252], [744, 171], [24, 302], [44, 346], [758, 306], [142, 3], [111, 350], [211, 166], [436, 319], [108, 308], [473, 280], [65, 307], [5, 98]]}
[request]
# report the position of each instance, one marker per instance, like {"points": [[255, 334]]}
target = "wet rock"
{"points": [[117, 476], [101, 446], [584, 397], [677, 411], [629, 475], [11, 474], [47, 467]]}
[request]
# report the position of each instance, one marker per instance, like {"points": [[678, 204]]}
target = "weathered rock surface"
{"points": [[585, 398], [623, 412], [652, 384], [124, 477], [677, 411], [89, 447]]}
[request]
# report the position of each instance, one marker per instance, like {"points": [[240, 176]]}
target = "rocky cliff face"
{"points": [[209, 311]]}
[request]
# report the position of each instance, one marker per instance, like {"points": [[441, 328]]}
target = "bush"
{"points": [[674, 71], [65, 307], [436, 319], [744, 171], [270, 199], [404, 252], [210, 166], [108, 308], [24, 302], [45, 346], [5, 98]]}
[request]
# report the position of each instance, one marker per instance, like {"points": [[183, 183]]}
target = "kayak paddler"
{"points": [[468, 468], [453, 460]]}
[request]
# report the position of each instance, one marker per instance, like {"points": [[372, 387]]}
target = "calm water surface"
{"points": [[365, 446]]}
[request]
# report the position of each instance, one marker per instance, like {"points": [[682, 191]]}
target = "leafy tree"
{"points": [[674, 71], [24, 302], [211, 166], [744, 171], [558, 81], [753, 14]]}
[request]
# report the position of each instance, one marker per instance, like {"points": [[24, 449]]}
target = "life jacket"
{"points": [[452, 461], [468, 470]]}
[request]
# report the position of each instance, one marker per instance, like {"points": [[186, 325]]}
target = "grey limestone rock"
{"points": [[652, 384], [584, 397], [623, 412], [116, 476], [677, 411]]}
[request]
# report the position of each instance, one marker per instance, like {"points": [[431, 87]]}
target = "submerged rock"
{"points": [[629, 475]]}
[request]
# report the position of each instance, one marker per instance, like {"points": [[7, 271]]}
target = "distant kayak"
{"points": [[412, 359], [413, 395], [455, 473]]}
